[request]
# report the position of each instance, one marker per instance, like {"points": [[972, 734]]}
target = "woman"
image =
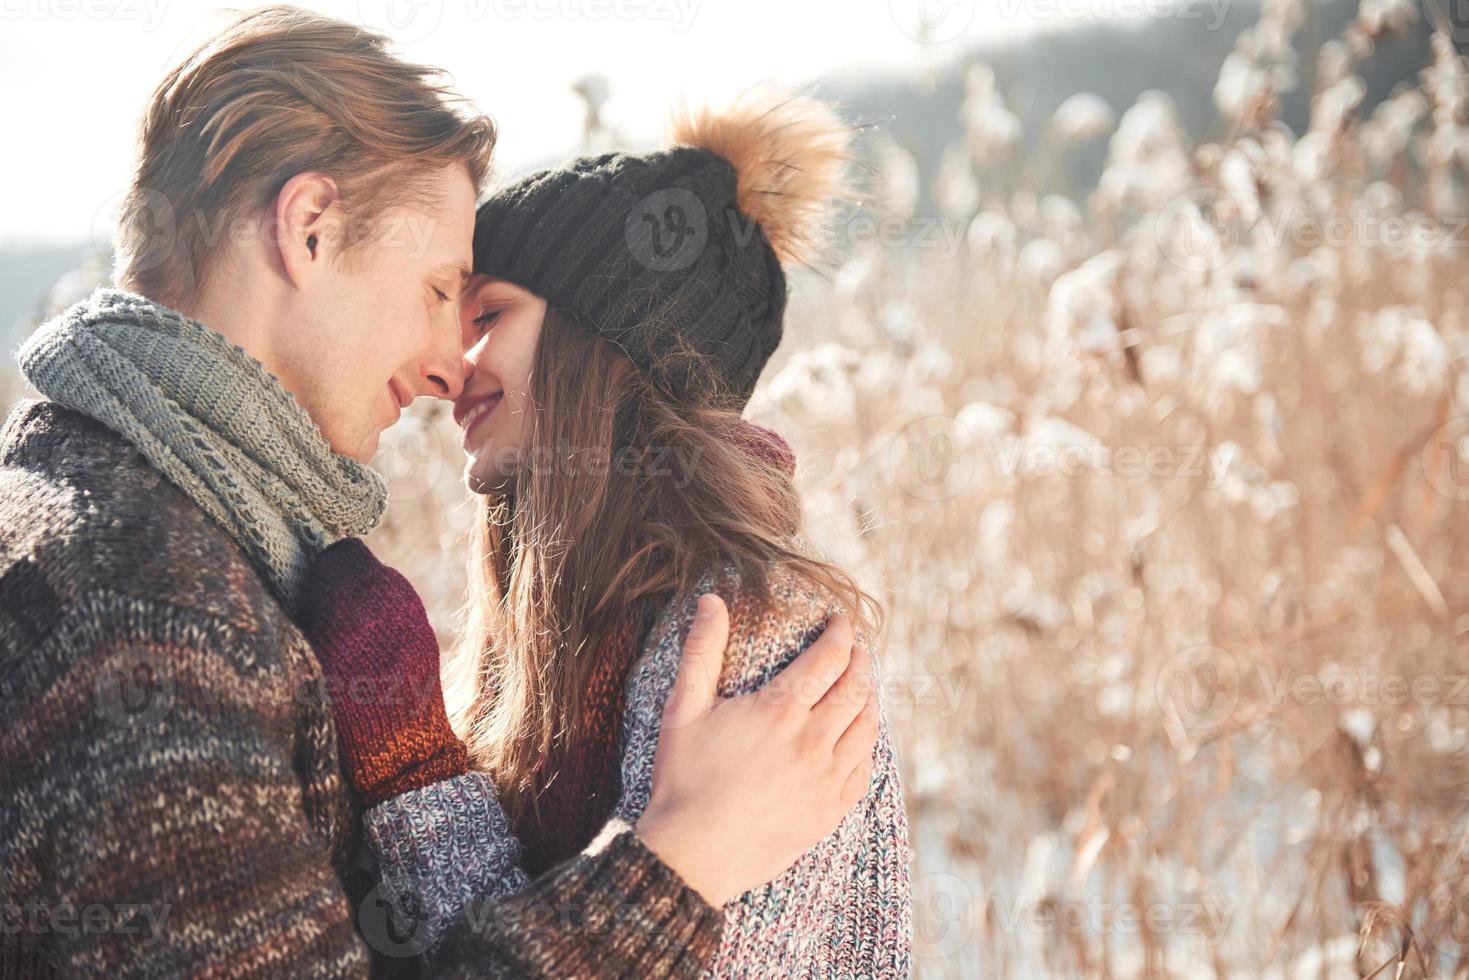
{"points": [[622, 309]]}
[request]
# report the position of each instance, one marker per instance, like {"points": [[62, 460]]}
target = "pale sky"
{"points": [[76, 73]]}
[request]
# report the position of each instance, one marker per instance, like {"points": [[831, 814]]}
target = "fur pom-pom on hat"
{"points": [[790, 156]]}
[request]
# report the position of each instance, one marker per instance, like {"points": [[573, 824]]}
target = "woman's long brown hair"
{"points": [[622, 499]]}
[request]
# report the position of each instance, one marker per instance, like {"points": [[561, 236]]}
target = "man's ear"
{"points": [[308, 224]]}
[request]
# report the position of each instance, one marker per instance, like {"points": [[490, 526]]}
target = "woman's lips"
{"points": [[477, 415]]}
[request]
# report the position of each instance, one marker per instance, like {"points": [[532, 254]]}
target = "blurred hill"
{"points": [[28, 276], [1116, 61], [922, 113]]}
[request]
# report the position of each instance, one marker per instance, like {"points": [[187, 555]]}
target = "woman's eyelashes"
{"points": [[486, 320]]}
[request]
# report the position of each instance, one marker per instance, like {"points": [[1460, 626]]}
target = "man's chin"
{"points": [[362, 450]]}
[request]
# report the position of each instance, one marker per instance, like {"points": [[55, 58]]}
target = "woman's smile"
{"points": [[478, 413]]}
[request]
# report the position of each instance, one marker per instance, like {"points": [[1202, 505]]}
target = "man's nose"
{"points": [[442, 371], [444, 375]]}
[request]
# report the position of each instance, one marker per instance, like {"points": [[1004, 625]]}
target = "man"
{"points": [[290, 254]]}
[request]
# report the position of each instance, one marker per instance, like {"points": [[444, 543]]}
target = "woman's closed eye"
{"points": [[486, 319]]}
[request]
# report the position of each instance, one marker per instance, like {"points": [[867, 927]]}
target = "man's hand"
{"points": [[742, 787]]}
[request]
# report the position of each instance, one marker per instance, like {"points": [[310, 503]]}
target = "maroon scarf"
{"points": [[579, 797]]}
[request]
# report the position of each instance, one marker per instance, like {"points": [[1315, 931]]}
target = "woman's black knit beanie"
{"points": [[676, 255]]}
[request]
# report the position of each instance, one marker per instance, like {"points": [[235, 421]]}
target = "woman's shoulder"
{"points": [[766, 633], [770, 622]]}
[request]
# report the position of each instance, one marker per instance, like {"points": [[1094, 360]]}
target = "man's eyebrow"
{"points": [[455, 270]]}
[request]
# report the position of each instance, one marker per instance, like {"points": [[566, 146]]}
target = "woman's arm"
{"points": [[842, 909], [777, 771]]}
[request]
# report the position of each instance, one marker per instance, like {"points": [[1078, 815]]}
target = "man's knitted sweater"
{"points": [[171, 798]]}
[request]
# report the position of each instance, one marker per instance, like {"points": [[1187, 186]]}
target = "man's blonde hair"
{"points": [[279, 92]]}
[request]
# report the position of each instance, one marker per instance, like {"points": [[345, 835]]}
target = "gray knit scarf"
{"points": [[214, 421]]}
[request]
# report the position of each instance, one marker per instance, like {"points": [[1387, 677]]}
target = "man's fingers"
{"points": [[846, 698], [807, 679], [701, 663], [857, 784], [856, 743]]}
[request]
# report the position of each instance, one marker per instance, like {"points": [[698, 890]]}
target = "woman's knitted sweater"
{"points": [[842, 910]]}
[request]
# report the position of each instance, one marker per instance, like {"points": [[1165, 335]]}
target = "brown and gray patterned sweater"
{"points": [[171, 801]]}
